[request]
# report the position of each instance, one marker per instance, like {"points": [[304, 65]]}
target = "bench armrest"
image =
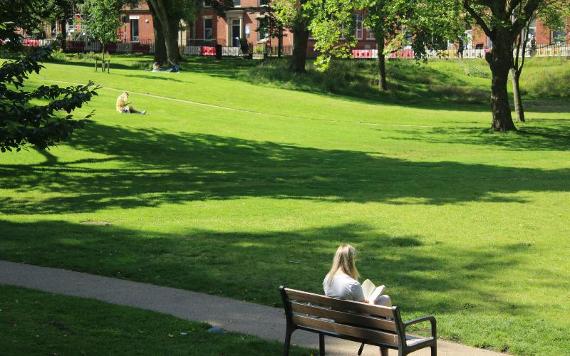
{"points": [[429, 318]]}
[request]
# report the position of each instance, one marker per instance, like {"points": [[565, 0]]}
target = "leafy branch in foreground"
{"points": [[33, 117]]}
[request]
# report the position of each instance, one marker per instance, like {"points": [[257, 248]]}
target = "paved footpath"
{"points": [[229, 314]]}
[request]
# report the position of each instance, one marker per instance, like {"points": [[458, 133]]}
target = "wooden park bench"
{"points": [[361, 322]]}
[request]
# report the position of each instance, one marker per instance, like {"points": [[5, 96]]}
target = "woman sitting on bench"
{"points": [[342, 280]]}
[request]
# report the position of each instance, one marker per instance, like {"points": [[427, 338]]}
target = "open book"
{"points": [[371, 292]]}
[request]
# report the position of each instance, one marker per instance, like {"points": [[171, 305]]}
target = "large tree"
{"points": [[423, 24], [59, 11], [295, 16], [553, 14], [168, 15], [332, 27], [495, 17], [160, 56]]}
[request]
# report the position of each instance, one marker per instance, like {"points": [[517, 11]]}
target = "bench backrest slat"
{"points": [[366, 335], [341, 305], [345, 318]]}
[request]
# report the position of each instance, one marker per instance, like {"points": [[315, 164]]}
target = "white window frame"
{"points": [[231, 20], [358, 26]]}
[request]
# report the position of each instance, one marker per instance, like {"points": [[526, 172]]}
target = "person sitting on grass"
{"points": [[123, 106], [342, 280]]}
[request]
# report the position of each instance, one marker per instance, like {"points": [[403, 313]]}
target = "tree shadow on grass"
{"points": [[553, 136], [157, 76], [153, 167], [411, 85], [114, 65], [214, 262]]}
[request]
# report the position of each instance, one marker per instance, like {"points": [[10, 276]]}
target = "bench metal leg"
{"points": [[287, 344], [433, 350], [321, 344]]}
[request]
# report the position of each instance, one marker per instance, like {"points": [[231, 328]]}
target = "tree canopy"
{"points": [[102, 19], [23, 121]]}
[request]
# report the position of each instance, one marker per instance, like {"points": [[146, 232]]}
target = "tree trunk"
{"points": [[63, 34], [300, 43], [173, 39], [280, 42], [161, 8], [380, 35], [382, 81], [516, 75], [159, 43], [500, 59]]}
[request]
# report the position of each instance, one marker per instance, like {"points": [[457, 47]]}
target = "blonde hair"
{"points": [[122, 101], [344, 261]]}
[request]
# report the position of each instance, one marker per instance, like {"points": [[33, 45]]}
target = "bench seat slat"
{"points": [[338, 304], [366, 335], [345, 318]]}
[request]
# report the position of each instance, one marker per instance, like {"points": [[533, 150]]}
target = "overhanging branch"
{"points": [[477, 18]]}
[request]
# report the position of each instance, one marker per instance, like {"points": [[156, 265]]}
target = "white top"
{"points": [[343, 286]]}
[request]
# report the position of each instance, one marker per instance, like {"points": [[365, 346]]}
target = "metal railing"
{"points": [[203, 47]]}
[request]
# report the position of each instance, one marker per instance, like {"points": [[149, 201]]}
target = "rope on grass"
{"points": [[186, 101]]}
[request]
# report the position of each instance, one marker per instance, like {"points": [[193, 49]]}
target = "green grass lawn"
{"points": [[235, 188], [36, 323]]}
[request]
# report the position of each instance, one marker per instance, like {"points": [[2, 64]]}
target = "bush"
{"points": [[547, 80]]}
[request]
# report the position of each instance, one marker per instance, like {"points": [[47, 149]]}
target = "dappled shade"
{"points": [[158, 167]]}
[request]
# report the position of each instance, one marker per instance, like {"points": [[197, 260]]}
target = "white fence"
{"points": [[210, 51], [545, 51], [191, 50], [553, 51]]}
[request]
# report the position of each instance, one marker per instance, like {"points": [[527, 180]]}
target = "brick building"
{"points": [[543, 35], [248, 20], [137, 24], [244, 21]]}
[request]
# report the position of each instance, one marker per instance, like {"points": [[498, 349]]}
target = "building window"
{"points": [[263, 2], [208, 29], [559, 37], [358, 25], [262, 28], [134, 30], [370, 34], [207, 3], [237, 3], [235, 32]]}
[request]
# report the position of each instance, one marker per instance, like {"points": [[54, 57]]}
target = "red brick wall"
{"points": [[146, 30], [543, 34]]}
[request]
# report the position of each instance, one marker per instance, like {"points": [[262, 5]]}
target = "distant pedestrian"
{"points": [[460, 48], [156, 67], [123, 106]]}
